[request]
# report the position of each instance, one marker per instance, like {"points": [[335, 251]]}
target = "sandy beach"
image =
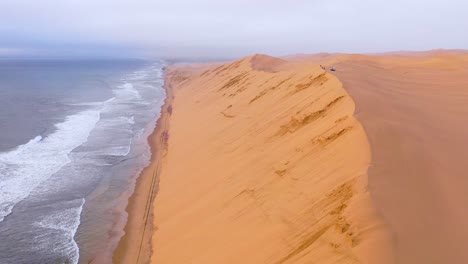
{"points": [[134, 247]]}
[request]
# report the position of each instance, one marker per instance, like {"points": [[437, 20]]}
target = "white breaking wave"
{"points": [[93, 139], [24, 168], [127, 90], [67, 221], [93, 103], [138, 75]]}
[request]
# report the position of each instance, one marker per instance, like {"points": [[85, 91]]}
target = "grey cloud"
{"points": [[209, 28]]}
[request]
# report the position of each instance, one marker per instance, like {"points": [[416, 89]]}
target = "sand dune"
{"points": [[265, 164], [414, 110]]}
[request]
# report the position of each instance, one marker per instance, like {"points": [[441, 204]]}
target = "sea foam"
{"points": [[65, 221], [24, 168]]}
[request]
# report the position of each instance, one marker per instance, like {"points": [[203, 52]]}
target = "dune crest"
{"points": [[260, 62], [265, 164]]}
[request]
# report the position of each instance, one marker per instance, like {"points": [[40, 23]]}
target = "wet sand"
{"points": [[414, 109], [135, 245]]}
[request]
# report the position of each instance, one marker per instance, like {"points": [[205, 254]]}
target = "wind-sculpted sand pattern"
{"points": [[274, 173]]}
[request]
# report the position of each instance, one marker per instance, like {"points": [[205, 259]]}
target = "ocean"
{"points": [[73, 138]]}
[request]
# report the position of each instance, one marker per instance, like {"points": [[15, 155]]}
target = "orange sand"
{"points": [[135, 245], [265, 164], [414, 107]]}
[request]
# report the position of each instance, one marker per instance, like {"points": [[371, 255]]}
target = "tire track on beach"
{"points": [[153, 188], [135, 246]]}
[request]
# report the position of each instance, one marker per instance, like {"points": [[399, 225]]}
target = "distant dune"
{"points": [[265, 164], [429, 53], [266, 63], [317, 58]]}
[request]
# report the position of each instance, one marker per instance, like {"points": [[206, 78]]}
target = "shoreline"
{"points": [[135, 244]]}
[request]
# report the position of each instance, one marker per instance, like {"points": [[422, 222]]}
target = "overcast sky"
{"points": [[216, 28]]}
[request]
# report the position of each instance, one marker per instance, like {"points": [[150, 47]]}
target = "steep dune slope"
{"points": [[265, 164]]}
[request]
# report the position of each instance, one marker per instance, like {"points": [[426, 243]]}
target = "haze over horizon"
{"points": [[213, 29]]}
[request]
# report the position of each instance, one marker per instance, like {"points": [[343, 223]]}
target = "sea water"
{"points": [[72, 138]]}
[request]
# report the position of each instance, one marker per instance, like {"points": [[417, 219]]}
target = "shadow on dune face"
{"points": [[415, 115]]}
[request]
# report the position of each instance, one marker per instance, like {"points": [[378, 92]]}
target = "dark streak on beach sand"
{"points": [[135, 245]]}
